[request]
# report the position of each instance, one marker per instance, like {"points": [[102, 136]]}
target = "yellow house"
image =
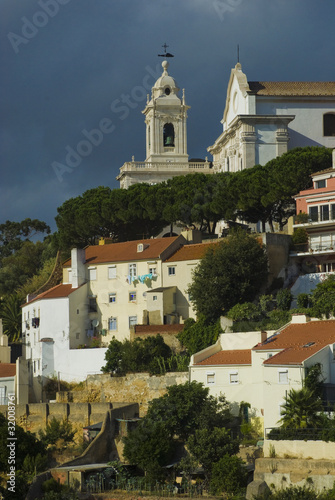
{"points": [[120, 277]]}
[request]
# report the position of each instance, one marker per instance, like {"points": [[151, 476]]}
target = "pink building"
{"points": [[316, 214]]}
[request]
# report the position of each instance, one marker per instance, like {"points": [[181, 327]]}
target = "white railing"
{"points": [[156, 166]]}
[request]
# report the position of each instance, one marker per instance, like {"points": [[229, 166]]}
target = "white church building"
{"points": [[263, 120]]}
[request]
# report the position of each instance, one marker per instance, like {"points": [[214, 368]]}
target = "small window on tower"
{"points": [[167, 91]]}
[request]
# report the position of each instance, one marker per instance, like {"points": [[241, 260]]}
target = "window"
{"points": [[112, 324], [132, 272], [171, 270], [320, 184], [92, 304], [153, 271], [78, 335], [140, 247], [112, 272], [154, 297], [324, 212], [210, 378], [132, 321], [329, 124], [132, 296], [283, 376], [92, 273], [112, 297], [233, 377], [313, 214]]}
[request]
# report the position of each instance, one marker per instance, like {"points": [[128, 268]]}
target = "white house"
{"points": [[262, 367], [262, 120]]}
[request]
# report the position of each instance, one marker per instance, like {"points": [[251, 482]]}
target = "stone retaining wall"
{"points": [[133, 388]]}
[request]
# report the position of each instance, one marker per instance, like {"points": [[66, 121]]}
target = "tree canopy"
{"points": [[231, 272], [261, 193], [197, 335], [13, 234], [171, 420]]}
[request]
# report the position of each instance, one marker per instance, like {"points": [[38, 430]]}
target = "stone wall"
{"points": [[133, 388], [34, 417], [300, 449], [282, 473]]}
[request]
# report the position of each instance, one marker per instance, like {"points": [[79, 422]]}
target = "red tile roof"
{"points": [[56, 292], [293, 88], [235, 357], [143, 329], [7, 370], [126, 251], [190, 252], [298, 342]]}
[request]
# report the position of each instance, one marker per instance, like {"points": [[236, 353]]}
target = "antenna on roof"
{"points": [[238, 53]]}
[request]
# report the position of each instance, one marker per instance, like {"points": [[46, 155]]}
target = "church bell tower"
{"points": [[165, 119]]}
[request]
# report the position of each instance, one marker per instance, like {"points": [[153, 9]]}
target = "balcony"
{"points": [[142, 166], [312, 249], [320, 219]]}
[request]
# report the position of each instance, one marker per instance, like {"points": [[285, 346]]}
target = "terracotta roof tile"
{"points": [[7, 370], [235, 357], [143, 329], [126, 251], [297, 342], [293, 88], [190, 252], [56, 292]]}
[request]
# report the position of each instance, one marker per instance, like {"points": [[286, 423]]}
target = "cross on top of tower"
{"points": [[166, 54]]}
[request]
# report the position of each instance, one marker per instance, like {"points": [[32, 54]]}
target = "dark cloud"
{"points": [[87, 55]]}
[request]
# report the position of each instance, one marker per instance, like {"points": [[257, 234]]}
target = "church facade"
{"points": [[263, 120], [166, 138]]}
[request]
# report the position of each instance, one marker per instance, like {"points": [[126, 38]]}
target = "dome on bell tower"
{"points": [[165, 85]]}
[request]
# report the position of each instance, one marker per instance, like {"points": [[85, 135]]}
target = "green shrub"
{"points": [[300, 236], [301, 218], [246, 311], [284, 299], [266, 303], [149, 354], [277, 319], [228, 475], [57, 430], [303, 300], [198, 335], [51, 485]]}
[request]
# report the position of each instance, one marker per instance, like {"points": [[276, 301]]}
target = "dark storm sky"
{"points": [[67, 65]]}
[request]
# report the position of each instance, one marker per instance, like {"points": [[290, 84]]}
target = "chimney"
{"points": [[77, 267], [264, 336]]}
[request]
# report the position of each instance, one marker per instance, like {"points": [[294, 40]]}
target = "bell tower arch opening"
{"points": [[168, 135]]}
